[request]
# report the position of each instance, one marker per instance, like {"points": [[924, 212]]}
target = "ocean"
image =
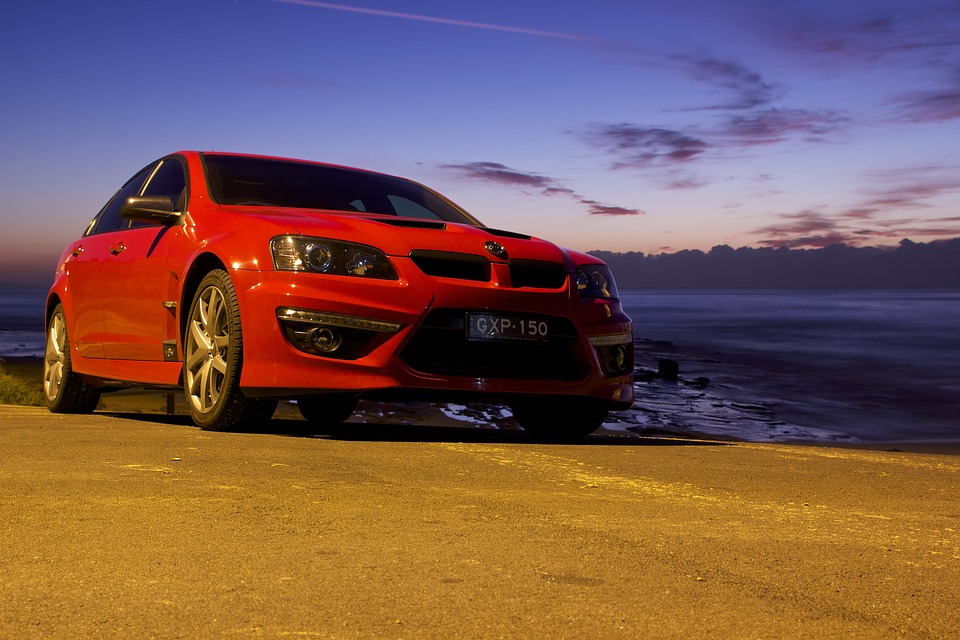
{"points": [[21, 321], [855, 366], [769, 366]]}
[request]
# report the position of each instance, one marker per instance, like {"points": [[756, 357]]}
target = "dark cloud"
{"points": [[897, 192], [770, 126], [638, 146], [920, 34], [599, 209], [807, 242], [504, 175], [908, 188], [917, 32], [501, 174], [802, 223], [684, 183], [748, 88], [812, 229], [940, 104]]}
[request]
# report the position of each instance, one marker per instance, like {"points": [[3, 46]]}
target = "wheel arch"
{"points": [[201, 266], [52, 301]]}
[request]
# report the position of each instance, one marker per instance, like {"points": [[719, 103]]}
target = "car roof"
{"points": [[281, 159]]}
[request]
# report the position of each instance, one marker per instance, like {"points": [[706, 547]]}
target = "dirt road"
{"points": [[118, 527]]}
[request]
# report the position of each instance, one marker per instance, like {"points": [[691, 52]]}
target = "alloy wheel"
{"points": [[208, 344]]}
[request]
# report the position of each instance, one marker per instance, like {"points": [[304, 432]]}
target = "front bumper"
{"points": [[406, 337]]}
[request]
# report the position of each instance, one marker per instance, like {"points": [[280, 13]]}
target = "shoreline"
{"points": [[658, 402]]}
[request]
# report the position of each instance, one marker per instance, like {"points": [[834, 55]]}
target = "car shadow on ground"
{"points": [[387, 432]]}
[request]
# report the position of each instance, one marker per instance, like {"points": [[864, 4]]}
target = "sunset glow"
{"points": [[605, 125]]}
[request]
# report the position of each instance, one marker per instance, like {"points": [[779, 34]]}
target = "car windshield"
{"points": [[249, 181]]}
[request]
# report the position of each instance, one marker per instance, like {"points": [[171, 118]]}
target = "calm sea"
{"points": [[21, 321], [879, 366]]}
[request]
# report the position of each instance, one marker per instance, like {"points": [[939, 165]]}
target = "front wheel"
{"points": [[213, 358], [559, 418], [326, 410], [64, 390]]}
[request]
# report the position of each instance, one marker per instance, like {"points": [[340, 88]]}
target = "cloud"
{"points": [[940, 104], [501, 174], [639, 146], [919, 32], [907, 188], [504, 175], [437, 20], [682, 183], [889, 36], [595, 208], [770, 126], [748, 87], [878, 216]]}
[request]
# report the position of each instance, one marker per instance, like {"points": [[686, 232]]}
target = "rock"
{"points": [[668, 369]]}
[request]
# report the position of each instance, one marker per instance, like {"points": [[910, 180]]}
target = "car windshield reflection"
{"points": [[264, 182]]}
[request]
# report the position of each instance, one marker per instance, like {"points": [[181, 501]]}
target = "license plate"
{"points": [[495, 326]]}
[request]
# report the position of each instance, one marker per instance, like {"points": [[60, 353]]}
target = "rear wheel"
{"points": [[559, 418], [213, 359], [64, 390]]}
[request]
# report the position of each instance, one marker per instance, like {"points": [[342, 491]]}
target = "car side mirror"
{"points": [[152, 209]]}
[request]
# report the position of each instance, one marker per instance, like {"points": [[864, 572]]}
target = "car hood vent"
{"points": [[507, 234], [411, 223]]}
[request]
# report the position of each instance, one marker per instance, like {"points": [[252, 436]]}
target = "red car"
{"points": [[247, 279]]}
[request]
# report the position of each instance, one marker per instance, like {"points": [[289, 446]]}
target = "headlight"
{"points": [[596, 281], [332, 257]]}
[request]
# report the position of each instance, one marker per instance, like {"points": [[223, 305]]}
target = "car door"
{"points": [[85, 270], [135, 278]]}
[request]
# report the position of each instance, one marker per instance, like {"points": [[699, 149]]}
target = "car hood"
{"points": [[401, 236]]}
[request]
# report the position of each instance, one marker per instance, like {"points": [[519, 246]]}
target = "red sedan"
{"points": [[246, 279]]}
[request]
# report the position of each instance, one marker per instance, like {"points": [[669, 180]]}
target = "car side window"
{"points": [[169, 181], [110, 219]]}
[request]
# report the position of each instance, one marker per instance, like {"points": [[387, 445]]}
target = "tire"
{"points": [[213, 360], [64, 390], [326, 410], [559, 418]]}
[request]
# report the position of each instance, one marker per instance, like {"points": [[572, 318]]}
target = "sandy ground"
{"points": [[133, 525]]}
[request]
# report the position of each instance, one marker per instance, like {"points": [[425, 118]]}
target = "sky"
{"points": [[620, 125]]}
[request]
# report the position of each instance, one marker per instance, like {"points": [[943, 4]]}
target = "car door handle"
{"points": [[117, 249]]}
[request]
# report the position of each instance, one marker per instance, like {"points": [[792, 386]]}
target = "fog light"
{"points": [[621, 357], [615, 351], [325, 339]]}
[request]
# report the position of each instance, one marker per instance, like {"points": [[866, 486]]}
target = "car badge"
{"points": [[496, 249]]}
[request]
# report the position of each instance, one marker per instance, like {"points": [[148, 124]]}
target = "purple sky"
{"points": [[603, 124]]}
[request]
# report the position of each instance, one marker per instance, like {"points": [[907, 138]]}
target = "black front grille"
{"points": [[440, 347], [536, 274], [445, 264]]}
